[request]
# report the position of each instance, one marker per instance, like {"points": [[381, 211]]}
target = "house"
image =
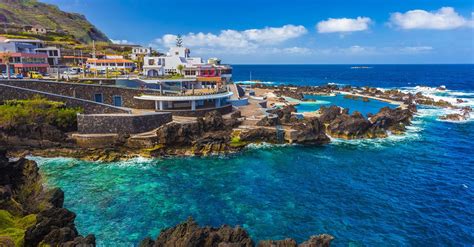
{"points": [[110, 63], [38, 29], [140, 51], [22, 56]]}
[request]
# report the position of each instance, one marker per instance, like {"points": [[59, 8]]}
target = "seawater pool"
{"points": [[372, 106]]}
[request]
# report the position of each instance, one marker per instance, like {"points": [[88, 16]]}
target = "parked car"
{"points": [[18, 76], [115, 73], [35, 75], [4, 76]]}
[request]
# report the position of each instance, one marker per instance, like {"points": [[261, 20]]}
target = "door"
{"points": [[117, 100], [98, 98]]}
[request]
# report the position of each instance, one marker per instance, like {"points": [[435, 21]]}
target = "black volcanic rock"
{"points": [[189, 233], [22, 193]]}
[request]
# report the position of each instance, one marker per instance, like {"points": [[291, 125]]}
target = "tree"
{"points": [[180, 69], [6, 60], [179, 41]]}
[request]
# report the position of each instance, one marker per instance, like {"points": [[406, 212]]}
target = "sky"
{"points": [[293, 32]]}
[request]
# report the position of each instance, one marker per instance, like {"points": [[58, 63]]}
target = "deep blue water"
{"points": [[458, 77], [410, 190]]}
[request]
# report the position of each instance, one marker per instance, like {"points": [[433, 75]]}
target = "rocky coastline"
{"points": [[215, 134]]}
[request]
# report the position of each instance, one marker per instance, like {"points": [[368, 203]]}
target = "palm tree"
{"points": [[180, 69]]}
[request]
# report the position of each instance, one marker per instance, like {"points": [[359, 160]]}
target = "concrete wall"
{"points": [[121, 123], [87, 91], [8, 92]]}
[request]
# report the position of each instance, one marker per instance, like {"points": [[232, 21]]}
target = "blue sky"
{"points": [[284, 32]]}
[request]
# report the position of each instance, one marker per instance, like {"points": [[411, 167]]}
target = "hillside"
{"points": [[14, 14]]}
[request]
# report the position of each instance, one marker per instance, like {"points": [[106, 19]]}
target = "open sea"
{"points": [[411, 190]]}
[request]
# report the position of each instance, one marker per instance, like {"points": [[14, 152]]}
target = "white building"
{"points": [[168, 64], [191, 67], [111, 63], [140, 51], [54, 54]]}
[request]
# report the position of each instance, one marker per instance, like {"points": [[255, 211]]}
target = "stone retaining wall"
{"points": [[8, 92], [200, 112], [121, 123], [87, 91]]}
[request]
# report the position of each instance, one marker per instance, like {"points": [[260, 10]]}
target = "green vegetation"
{"points": [[235, 140], [61, 25], [38, 110], [13, 228]]}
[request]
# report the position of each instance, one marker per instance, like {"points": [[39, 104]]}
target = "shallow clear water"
{"points": [[372, 106], [416, 189]]}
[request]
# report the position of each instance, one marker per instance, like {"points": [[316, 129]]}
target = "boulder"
{"points": [[53, 226], [190, 233], [349, 126], [309, 130], [213, 121], [328, 114]]}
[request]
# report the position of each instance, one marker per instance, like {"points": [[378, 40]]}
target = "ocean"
{"points": [[411, 190]]}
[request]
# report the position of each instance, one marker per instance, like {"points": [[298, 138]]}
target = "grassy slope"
{"points": [[32, 12]]}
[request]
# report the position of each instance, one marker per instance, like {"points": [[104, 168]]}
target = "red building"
{"points": [[22, 63]]}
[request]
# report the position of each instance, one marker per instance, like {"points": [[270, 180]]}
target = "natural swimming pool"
{"points": [[372, 106]]}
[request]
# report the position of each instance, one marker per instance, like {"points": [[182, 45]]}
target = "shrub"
{"points": [[15, 113]]}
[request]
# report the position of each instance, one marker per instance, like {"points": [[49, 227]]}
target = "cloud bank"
{"points": [[332, 25], [445, 18], [232, 39]]}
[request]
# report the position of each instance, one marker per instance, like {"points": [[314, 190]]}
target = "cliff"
{"points": [[17, 13]]}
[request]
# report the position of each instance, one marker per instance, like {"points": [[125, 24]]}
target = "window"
{"points": [[151, 61], [117, 100], [99, 98]]}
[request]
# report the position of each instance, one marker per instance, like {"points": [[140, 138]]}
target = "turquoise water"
{"points": [[373, 106], [383, 192], [410, 190]]}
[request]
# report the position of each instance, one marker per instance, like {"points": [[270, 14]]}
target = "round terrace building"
{"points": [[191, 105]]}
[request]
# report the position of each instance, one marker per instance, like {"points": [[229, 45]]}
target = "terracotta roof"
{"points": [[92, 60]]}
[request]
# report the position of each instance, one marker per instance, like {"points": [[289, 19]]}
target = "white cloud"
{"points": [[332, 25], [442, 19], [119, 41], [295, 50], [244, 41], [416, 49], [357, 50]]}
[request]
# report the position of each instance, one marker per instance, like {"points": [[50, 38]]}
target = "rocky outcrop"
{"points": [[278, 116], [54, 227], [307, 131], [464, 114], [22, 194], [393, 120], [189, 233], [342, 125]]}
